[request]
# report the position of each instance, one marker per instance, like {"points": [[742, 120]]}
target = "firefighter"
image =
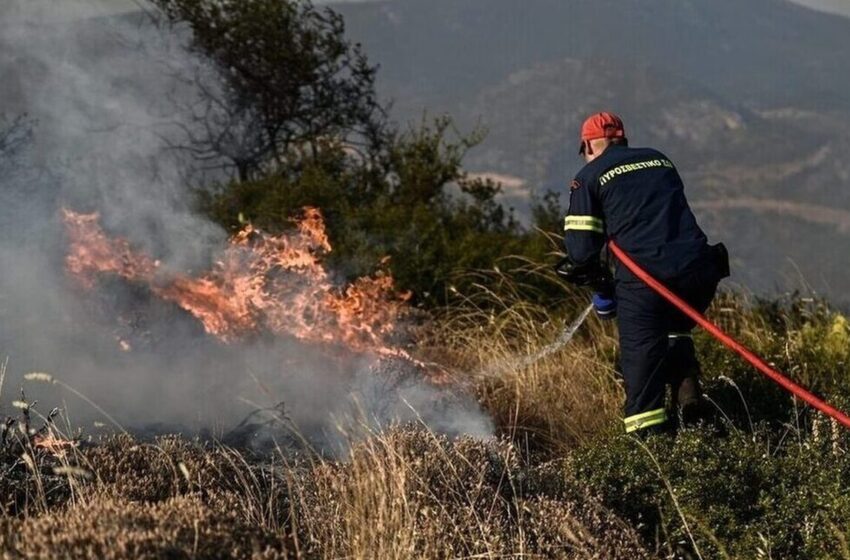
{"points": [[636, 197]]}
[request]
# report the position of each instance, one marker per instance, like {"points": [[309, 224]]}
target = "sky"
{"points": [[833, 6]]}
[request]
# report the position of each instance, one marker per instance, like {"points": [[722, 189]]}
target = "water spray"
{"points": [[563, 339]]}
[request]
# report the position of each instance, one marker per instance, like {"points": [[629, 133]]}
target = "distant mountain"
{"points": [[767, 51], [838, 7], [749, 98]]}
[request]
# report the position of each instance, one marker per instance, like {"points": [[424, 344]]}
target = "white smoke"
{"points": [[107, 95]]}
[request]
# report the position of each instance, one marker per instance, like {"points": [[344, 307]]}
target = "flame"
{"points": [[262, 283], [52, 444], [93, 252]]}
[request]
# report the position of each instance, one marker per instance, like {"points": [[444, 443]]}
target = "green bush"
{"points": [[801, 337], [735, 497]]}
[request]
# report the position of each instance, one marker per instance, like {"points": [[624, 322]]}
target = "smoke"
{"points": [[107, 97]]}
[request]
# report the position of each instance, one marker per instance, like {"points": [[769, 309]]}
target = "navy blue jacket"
{"points": [[636, 197]]}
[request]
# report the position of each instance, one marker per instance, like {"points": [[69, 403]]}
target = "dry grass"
{"points": [[407, 493], [555, 403], [105, 526]]}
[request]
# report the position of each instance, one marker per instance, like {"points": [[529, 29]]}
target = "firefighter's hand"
{"points": [[605, 306], [586, 274]]}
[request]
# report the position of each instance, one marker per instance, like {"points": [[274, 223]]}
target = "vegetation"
{"points": [[420, 209], [558, 480]]}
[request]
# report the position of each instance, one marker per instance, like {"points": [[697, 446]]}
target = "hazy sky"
{"points": [[834, 6]]}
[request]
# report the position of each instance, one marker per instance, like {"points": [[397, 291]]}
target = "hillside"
{"points": [[839, 7], [765, 51], [750, 103]]}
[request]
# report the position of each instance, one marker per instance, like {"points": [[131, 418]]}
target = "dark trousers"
{"points": [[656, 348]]}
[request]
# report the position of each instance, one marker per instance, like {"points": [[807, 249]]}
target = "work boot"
{"points": [[668, 428], [687, 391], [694, 412], [689, 403]]}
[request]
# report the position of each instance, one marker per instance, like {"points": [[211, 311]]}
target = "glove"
{"points": [[721, 259], [587, 274], [604, 305]]}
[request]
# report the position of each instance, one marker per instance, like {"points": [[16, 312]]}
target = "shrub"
{"points": [[728, 496]]}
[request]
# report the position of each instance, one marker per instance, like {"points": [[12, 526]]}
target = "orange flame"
{"points": [[92, 252], [52, 444], [262, 282]]}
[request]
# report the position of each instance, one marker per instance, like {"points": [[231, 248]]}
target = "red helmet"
{"points": [[601, 125]]}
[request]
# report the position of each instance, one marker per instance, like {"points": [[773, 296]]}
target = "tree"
{"points": [[289, 79], [14, 136]]}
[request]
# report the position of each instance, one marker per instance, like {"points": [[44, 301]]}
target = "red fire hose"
{"points": [[715, 331]]}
